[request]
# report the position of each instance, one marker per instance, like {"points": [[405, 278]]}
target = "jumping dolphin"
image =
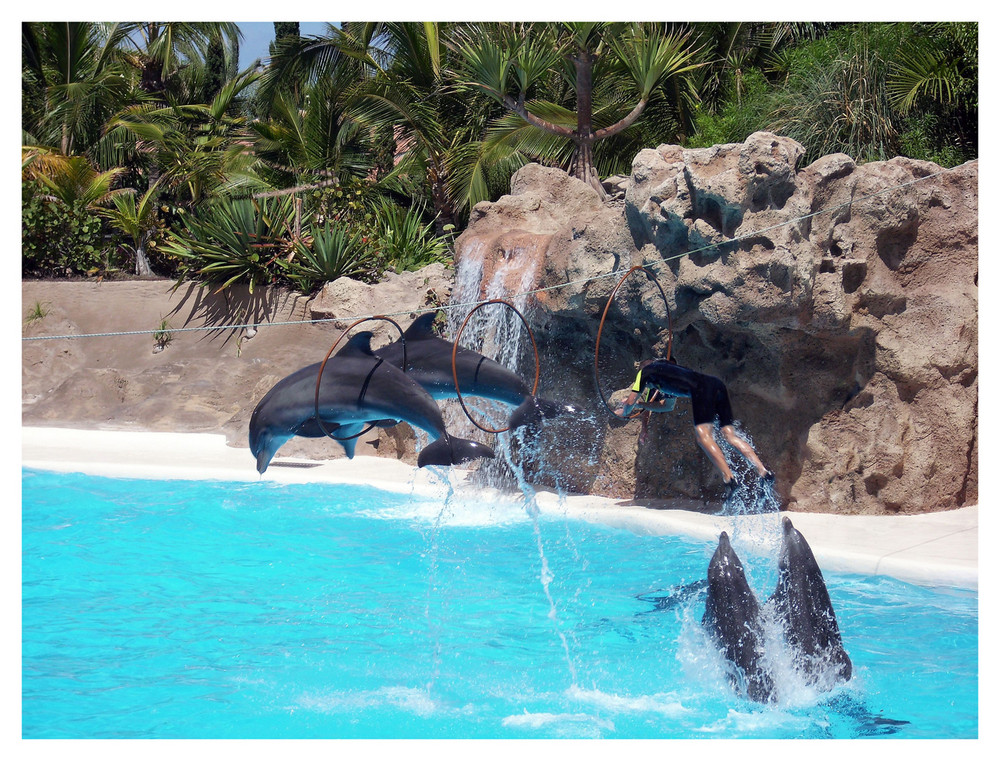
{"points": [[428, 362], [803, 606], [358, 388], [732, 616]]}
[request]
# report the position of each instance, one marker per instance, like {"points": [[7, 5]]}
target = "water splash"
{"points": [[754, 497], [498, 333]]}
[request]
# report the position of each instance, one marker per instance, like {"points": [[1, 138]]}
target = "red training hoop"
{"points": [[600, 329], [454, 354]]}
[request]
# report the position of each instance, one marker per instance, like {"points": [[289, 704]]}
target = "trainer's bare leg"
{"points": [[744, 448], [704, 434]]}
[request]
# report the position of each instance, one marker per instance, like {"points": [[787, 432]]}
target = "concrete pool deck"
{"points": [[935, 549]]}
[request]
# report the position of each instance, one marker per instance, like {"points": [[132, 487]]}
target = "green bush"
{"points": [[405, 242], [737, 118], [330, 252], [236, 241], [58, 240]]}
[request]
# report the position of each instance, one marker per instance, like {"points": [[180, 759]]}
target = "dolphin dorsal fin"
{"points": [[421, 328], [359, 344]]}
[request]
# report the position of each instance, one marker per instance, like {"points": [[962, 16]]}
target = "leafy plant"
{"points": [[36, 313], [331, 252], [138, 221], [162, 336], [58, 239], [237, 241], [405, 241]]}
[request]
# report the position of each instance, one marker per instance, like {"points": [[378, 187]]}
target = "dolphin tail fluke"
{"points": [[450, 450], [533, 409]]}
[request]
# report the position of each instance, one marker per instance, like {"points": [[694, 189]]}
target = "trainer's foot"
{"points": [[732, 485], [768, 477]]}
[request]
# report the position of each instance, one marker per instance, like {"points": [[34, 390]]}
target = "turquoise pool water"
{"points": [[173, 609]]}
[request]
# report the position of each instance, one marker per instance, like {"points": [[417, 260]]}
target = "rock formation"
{"points": [[837, 301]]}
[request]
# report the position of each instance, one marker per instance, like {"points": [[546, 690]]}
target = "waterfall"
{"points": [[497, 332]]}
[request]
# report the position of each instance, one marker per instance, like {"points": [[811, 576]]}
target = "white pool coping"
{"points": [[935, 549]]}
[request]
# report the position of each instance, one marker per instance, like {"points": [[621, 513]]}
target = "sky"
{"points": [[258, 35]]}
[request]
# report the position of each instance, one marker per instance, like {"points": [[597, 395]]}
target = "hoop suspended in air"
{"points": [[600, 329], [322, 366], [454, 354]]}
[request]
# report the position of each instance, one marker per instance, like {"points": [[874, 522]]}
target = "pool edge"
{"points": [[934, 549]]}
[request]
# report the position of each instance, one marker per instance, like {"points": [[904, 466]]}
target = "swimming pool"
{"points": [[206, 609]]}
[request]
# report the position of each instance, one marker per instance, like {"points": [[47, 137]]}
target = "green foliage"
{"points": [[162, 335], [236, 241], [331, 252], [254, 241], [870, 90], [736, 119], [387, 133], [922, 139], [59, 239], [406, 241], [139, 222], [38, 312]]}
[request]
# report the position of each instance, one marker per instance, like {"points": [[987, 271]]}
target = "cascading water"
{"points": [[498, 333], [755, 497]]}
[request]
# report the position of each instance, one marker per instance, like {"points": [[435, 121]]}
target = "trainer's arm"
{"points": [[659, 403], [630, 402]]}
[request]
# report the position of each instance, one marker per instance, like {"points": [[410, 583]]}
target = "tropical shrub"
{"points": [[405, 241], [330, 252], [236, 241], [60, 239]]}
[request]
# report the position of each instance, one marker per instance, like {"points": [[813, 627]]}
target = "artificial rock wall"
{"points": [[837, 301]]}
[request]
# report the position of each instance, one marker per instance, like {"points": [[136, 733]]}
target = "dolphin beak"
{"points": [[263, 460]]}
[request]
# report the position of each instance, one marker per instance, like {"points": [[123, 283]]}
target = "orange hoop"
{"points": [[454, 354], [322, 366], [600, 329]]}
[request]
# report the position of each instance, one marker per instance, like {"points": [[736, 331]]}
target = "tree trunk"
{"points": [[443, 207], [142, 261], [582, 163], [582, 166]]}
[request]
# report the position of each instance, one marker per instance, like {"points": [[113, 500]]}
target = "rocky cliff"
{"points": [[837, 301]]}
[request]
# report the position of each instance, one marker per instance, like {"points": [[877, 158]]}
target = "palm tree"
{"points": [[397, 91], [162, 49], [136, 220], [512, 63], [76, 70], [69, 179], [194, 150]]}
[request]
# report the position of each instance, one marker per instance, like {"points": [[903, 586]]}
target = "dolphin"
{"points": [[358, 388], [428, 362], [802, 604], [733, 618]]}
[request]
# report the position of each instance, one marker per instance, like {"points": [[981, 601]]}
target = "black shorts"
{"points": [[708, 394]]}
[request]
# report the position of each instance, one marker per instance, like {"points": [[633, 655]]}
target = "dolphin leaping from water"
{"points": [[733, 618], [428, 362], [357, 388], [801, 604]]}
